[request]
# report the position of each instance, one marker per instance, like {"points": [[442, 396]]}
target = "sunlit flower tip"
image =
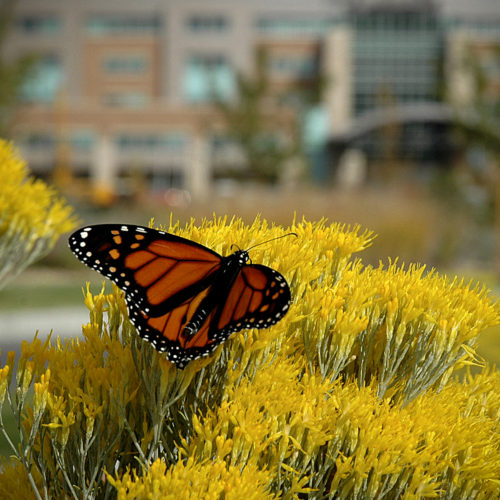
{"points": [[89, 427], [392, 307], [53, 425], [197, 425], [88, 297], [11, 360], [4, 382], [41, 393], [237, 431], [67, 422], [4, 373], [224, 446], [27, 377]]}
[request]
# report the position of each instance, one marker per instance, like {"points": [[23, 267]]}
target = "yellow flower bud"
{"points": [[4, 382]]}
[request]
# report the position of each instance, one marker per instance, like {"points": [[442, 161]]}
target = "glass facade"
{"points": [[208, 76], [397, 58], [425, 143]]}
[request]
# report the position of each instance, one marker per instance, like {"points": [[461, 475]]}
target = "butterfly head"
{"points": [[239, 256], [242, 257]]}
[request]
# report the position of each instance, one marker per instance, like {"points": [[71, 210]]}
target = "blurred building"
{"points": [[125, 87], [403, 72]]}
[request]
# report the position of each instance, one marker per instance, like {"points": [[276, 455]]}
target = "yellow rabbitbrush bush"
{"points": [[32, 216], [404, 329], [349, 396], [348, 441], [210, 481]]}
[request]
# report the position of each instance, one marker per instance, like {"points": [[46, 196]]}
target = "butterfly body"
{"points": [[223, 280], [182, 297]]}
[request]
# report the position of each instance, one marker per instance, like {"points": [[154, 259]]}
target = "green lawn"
{"points": [[39, 287], [37, 296]]}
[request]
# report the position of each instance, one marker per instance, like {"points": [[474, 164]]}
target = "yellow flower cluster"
{"points": [[15, 484], [349, 395], [404, 328], [186, 481], [32, 216], [366, 444]]}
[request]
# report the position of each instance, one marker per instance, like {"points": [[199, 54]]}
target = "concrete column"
{"points": [[338, 72], [460, 84], [198, 167], [104, 171]]}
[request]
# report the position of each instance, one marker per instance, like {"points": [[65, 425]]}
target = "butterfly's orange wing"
{"points": [[158, 271]]}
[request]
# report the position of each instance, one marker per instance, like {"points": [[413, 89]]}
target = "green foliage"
{"points": [[349, 396], [12, 72], [258, 126], [478, 119]]}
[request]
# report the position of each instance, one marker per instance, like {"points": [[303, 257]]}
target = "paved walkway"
{"points": [[19, 325]]}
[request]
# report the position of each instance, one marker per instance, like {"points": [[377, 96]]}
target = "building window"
{"points": [[123, 25], [293, 65], [208, 77], [44, 81], [37, 142], [293, 27], [124, 99], [207, 23], [125, 64], [173, 142], [43, 24], [83, 140]]}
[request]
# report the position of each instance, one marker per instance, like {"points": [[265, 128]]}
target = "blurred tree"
{"points": [[477, 119], [389, 135], [261, 125], [12, 72]]}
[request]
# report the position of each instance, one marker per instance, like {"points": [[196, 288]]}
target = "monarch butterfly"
{"points": [[182, 297]]}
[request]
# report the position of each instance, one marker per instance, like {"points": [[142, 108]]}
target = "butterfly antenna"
{"points": [[272, 239]]}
